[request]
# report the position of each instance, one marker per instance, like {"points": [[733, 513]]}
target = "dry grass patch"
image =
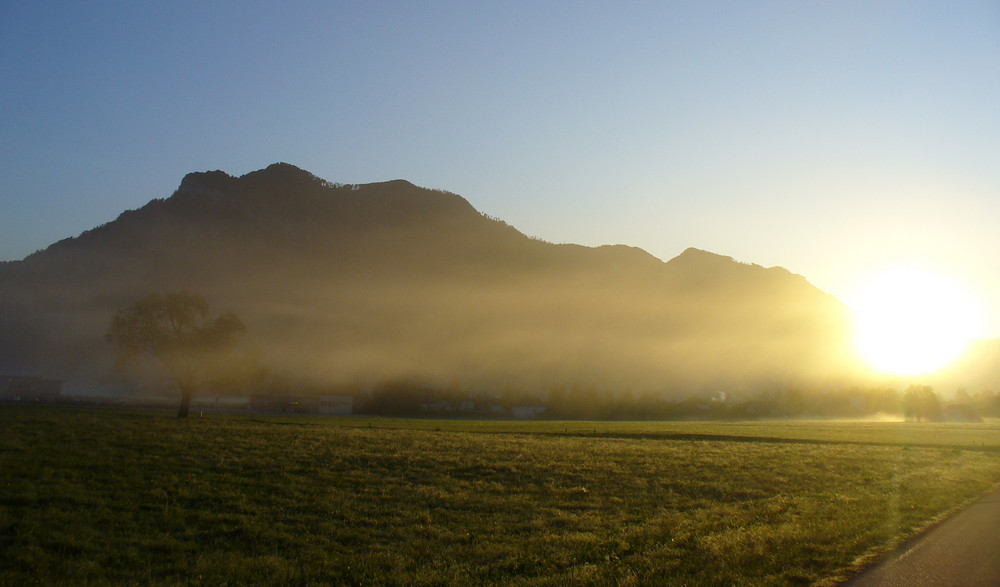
{"points": [[112, 497]]}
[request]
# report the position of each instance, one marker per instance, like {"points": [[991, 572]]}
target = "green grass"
{"points": [[112, 497], [977, 436]]}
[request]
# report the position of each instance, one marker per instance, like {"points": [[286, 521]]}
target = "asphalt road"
{"points": [[963, 550]]}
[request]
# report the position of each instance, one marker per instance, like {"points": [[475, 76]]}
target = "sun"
{"points": [[910, 320]]}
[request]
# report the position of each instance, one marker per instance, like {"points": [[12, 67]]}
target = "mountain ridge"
{"points": [[361, 282]]}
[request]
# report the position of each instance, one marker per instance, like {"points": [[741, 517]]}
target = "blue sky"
{"points": [[830, 138]]}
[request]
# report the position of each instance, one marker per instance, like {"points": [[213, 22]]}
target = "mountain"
{"points": [[356, 284]]}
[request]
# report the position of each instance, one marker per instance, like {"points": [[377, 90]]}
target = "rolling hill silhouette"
{"points": [[355, 284]]}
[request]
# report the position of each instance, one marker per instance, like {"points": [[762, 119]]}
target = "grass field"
{"points": [[113, 497]]}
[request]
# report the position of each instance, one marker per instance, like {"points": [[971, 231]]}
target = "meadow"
{"points": [[114, 497]]}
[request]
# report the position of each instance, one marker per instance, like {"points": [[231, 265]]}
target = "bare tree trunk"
{"points": [[185, 402]]}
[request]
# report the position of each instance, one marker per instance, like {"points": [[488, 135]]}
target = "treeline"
{"points": [[917, 402]]}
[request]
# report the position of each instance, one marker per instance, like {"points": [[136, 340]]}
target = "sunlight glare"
{"points": [[912, 321]]}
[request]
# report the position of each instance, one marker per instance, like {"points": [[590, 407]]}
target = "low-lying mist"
{"points": [[351, 288]]}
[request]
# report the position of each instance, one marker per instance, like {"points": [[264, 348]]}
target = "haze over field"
{"points": [[358, 285], [853, 145], [362, 283], [834, 139]]}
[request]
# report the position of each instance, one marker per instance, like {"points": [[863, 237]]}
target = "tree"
{"points": [[174, 328], [920, 402]]}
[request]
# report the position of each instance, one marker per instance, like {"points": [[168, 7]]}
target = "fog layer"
{"points": [[356, 285]]}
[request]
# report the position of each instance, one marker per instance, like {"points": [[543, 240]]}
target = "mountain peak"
{"points": [[692, 253], [700, 260], [345, 284], [285, 176], [282, 173], [205, 182]]}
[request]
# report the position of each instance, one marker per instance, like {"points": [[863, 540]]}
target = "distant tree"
{"points": [[174, 328], [920, 402], [237, 373], [987, 403], [883, 399], [962, 396], [401, 397]]}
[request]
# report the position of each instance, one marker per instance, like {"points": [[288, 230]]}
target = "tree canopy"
{"points": [[920, 402], [175, 328]]}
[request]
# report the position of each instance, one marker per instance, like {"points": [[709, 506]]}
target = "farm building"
{"points": [[526, 411], [336, 404], [304, 404], [29, 389]]}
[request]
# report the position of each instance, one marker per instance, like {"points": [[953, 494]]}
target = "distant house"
{"points": [[336, 404], [269, 403], [441, 406], [305, 404], [29, 389], [526, 411]]}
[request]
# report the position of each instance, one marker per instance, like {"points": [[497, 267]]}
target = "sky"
{"points": [[831, 138]]}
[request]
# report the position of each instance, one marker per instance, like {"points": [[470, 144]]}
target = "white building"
{"points": [[336, 404]]}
